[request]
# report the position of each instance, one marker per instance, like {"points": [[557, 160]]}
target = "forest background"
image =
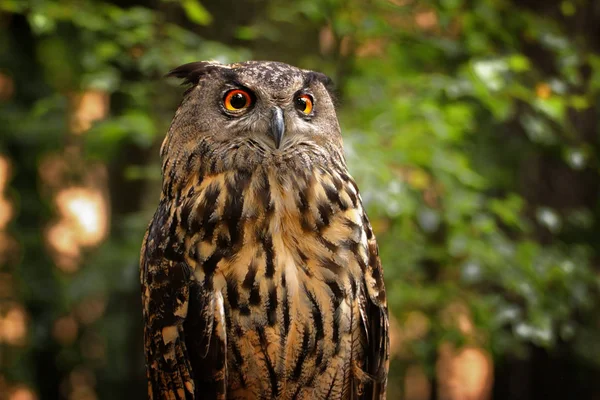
{"points": [[471, 126]]}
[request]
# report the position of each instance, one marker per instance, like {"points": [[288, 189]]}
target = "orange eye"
{"points": [[236, 100], [304, 103]]}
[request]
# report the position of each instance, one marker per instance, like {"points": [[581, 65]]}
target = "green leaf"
{"points": [[196, 12]]}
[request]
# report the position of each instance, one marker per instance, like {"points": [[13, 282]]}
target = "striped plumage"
{"points": [[260, 272]]}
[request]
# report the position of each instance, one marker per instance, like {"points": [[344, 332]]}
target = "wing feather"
{"points": [[184, 334], [374, 315]]}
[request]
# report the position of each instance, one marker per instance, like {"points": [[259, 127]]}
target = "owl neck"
{"points": [[183, 173]]}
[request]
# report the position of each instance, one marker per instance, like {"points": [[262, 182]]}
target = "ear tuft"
{"points": [[313, 76], [191, 73]]}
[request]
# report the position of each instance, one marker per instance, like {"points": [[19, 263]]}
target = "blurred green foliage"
{"points": [[472, 128]]}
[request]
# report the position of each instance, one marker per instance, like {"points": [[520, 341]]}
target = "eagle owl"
{"points": [[260, 272]]}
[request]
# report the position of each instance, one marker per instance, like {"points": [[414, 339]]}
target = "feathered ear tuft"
{"points": [[191, 73], [313, 76]]}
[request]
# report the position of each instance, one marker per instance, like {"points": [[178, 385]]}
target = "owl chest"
{"points": [[270, 249], [289, 332], [287, 266]]}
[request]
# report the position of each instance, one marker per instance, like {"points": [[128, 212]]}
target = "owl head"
{"points": [[252, 114]]}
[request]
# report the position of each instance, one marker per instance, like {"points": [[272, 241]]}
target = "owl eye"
{"points": [[236, 100], [304, 103]]}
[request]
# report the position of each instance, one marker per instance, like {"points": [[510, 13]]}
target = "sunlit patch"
{"points": [[326, 40], [82, 219], [6, 212], [13, 325], [91, 309], [416, 384], [4, 172], [86, 213], [373, 47], [65, 330], [6, 209], [543, 90], [81, 384], [13, 318], [426, 20], [83, 222], [465, 373], [61, 239], [87, 107], [22, 393]]}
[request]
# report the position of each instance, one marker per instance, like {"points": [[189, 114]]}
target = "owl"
{"points": [[260, 272]]}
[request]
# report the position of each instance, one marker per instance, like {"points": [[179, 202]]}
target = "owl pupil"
{"points": [[301, 103], [238, 100]]}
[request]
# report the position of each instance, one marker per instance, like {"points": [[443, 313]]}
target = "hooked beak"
{"points": [[277, 125]]}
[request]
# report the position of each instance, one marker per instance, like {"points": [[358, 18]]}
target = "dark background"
{"points": [[472, 128]]}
